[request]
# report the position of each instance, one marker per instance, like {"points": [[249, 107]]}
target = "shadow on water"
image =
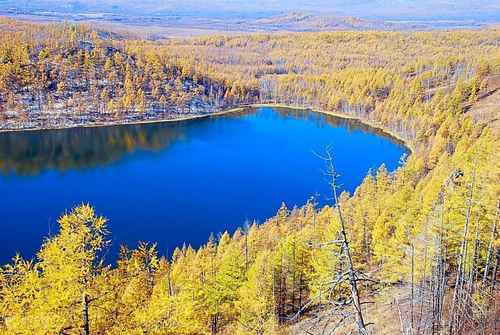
{"points": [[30, 152]]}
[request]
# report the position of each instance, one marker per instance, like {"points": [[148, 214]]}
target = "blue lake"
{"points": [[178, 182]]}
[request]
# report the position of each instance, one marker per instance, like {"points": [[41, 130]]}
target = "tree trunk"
{"points": [[492, 240], [86, 326], [462, 256], [352, 274]]}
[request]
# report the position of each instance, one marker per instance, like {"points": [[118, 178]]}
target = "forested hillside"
{"points": [[418, 247], [54, 76]]}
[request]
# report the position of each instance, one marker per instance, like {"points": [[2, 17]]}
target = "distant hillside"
{"points": [[297, 21], [154, 19], [385, 10]]}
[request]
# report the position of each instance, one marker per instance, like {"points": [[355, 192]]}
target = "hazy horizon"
{"points": [[421, 10]]}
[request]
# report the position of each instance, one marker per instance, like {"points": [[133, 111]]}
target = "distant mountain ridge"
{"points": [[155, 19], [383, 10], [297, 21]]}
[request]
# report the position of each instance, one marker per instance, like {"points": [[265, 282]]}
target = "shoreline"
{"points": [[388, 132], [111, 124], [239, 109]]}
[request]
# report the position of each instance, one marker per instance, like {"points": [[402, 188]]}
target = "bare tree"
{"points": [[345, 246], [347, 274]]}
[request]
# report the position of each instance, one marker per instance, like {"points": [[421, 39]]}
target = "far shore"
{"points": [[391, 133], [239, 109]]}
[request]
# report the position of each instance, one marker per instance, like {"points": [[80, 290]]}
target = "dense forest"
{"points": [[415, 251], [54, 76]]}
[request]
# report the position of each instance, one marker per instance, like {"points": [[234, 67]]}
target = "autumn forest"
{"points": [[410, 251]]}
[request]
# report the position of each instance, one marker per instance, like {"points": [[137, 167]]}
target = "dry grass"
{"points": [[487, 108]]}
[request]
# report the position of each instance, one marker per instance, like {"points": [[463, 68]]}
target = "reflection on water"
{"points": [[29, 152], [32, 151], [178, 182]]}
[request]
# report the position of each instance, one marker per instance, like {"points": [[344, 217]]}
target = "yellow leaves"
{"points": [[46, 296], [239, 281], [255, 300], [235, 280], [144, 258]]}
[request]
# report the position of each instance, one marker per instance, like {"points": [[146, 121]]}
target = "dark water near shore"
{"points": [[178, 182]]}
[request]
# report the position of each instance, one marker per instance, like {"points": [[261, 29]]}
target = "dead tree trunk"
{"points": [[345, 279], [345, 247]]}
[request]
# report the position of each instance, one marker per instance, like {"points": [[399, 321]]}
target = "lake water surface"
{"points": [[178, 182]]}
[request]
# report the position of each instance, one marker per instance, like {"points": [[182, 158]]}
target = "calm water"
{"points": [[177, 182]]}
